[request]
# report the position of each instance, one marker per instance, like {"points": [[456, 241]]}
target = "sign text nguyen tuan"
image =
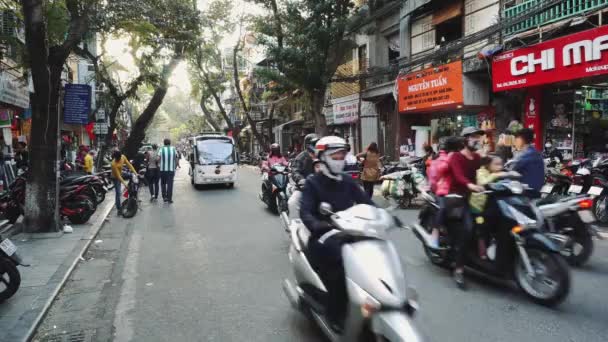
{"points": [[578, 55], [431, 88]]}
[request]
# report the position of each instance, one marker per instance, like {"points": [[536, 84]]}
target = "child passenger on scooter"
{"points": [[490, 170]]}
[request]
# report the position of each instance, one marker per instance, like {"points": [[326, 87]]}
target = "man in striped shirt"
{"points": [[168, 161]]}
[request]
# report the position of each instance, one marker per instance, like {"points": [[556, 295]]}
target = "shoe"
{"points": [[459, 279], [170, 201], [434, 243], [119, 212], [165, 200]]}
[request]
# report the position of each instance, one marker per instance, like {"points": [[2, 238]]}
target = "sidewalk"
{"points": [[52, 258]]}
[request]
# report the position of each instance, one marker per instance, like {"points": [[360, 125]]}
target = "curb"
{"points": [[79, 250]]}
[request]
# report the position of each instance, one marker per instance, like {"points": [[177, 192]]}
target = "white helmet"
{"points": [[324, 148]]}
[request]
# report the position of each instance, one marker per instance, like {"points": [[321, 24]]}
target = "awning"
{"points": [[280, 127], [448, 12]]}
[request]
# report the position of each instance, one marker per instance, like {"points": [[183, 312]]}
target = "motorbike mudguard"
{"points": [[395, 326], [534, 239]]}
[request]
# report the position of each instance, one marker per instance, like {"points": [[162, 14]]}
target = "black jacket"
{"points": [[341, 195], [302, 166]]}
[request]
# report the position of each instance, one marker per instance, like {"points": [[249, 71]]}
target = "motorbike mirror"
{"points": [[412, 300], [325, 209]]}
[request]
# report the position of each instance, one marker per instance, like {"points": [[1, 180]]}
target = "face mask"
{"points": [[474, 145], [335, 166], [548, 145]]}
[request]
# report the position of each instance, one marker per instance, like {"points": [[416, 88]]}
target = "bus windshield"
{"points": [[215, 152]]}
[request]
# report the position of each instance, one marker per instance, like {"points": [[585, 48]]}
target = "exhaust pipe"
{"points": [[422, 234], [285, 220], [291, 293]]}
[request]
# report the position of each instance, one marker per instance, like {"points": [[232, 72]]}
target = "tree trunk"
{"points": [[107, 145], [218, 102], [209, 116], [318, 101], [138, 131], [42, 183], [237, 85]]}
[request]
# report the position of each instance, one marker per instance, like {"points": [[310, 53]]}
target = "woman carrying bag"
{"points": [[371, 168]]}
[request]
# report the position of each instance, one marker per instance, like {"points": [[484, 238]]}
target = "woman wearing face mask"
{"points": [[551, 152], [463, 166]]}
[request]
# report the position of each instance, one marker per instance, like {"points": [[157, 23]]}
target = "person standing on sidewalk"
{"points": [[371, 168], [168, 164], [153, 172], [88, 162], [118, 162]]}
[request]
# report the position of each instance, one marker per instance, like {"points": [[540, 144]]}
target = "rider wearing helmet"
{"points": [[275, 157], [303, 162], [325, 246]]}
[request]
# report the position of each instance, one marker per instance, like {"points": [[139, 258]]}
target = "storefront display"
{"points": [[565, 82]]}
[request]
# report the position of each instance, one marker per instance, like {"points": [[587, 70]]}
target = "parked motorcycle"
{"points": [[379, 306], [531, 258], [96, 183], [571, 217], [10, 278], [274, 189], [76, 204]]}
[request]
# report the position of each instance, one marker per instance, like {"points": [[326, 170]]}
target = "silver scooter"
{"points": [[379, 306]]}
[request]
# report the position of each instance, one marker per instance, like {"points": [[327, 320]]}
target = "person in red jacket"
{"points": [[440, 180], [463, 166]]}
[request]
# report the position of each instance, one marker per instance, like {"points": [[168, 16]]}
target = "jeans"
{"points": [[369, 188], [166, 184], [153, 179], [118, 192]]}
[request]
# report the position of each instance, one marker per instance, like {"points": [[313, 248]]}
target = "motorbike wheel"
{"points": [[579, 250], [601, 209], [405, 201], [13, 211], [551, 283], [10, 279], [129, 207], [100, 194]]}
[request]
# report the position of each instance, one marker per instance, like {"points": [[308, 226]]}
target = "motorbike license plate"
{"points": [[547, 188], [586, 216], [595, 191], [575, 189], [8, 247]]}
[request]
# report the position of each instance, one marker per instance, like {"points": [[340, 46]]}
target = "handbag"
{"points": [[455, 206]]}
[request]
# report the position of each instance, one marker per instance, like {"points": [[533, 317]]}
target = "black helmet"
{"points": [[310, 140]]}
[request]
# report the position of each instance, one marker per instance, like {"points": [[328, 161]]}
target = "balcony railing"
{"points": [[562, 10]]}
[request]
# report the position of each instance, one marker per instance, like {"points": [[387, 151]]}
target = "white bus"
{"points": [[212, 160]]}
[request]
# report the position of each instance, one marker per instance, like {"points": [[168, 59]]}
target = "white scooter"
{"points": [[379, 306]]}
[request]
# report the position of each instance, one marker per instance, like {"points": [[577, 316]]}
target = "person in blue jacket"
{"points": [[530, 162], [325, 246]]}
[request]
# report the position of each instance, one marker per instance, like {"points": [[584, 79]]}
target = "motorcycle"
{"points": [[274, 189], [96, 183], [528, 255], [379, 307], [572, 218], [130, 205], [10, 278], [76, 204]]}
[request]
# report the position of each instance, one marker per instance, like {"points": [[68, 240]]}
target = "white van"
{"points": [[212, 160]]}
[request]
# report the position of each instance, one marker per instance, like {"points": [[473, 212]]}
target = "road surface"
{"points": [[209, 268]]}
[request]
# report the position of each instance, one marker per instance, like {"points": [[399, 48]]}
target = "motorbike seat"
{"points": [[303, 235]]}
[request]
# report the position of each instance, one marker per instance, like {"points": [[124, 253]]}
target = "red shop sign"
{"points": [[578, 55]]}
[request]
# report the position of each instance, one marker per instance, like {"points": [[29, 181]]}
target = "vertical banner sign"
{"points": [[76, 104], [532, 115], [436, 87]]}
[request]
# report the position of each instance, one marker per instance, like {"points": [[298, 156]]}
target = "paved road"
{"points": [[209, 268]]}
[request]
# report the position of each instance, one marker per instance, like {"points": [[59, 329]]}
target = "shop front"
{"points": [[564, 83], [345, 112], [440, 101]]}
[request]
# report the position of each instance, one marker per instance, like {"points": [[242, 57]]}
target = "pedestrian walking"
{"points": [[167, 164], [371, 168], [153, 173], [88, 162], [118, 162]]}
